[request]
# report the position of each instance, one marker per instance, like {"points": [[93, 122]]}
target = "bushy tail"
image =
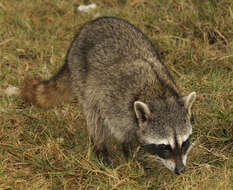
{"points": [[48, 93]]}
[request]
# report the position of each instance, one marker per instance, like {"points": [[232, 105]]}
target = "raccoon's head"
{"points": [[165, 129]]}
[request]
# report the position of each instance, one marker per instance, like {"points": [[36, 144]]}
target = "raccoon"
{"points": [[124, 89]]}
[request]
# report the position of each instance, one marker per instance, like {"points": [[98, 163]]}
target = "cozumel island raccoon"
{"points": [[124, 89]]}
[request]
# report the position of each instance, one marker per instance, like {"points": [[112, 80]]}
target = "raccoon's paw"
{"points": [[102, 154]]}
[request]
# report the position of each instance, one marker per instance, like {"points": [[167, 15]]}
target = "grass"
{"points": [[48, 148]]}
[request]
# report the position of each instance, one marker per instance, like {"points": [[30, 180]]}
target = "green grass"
{"points": [[49, 149]]}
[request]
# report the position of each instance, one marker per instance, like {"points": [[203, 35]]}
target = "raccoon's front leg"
{"points": [[126, 149], [101, 151]]}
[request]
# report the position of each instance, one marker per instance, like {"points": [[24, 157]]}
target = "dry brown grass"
{"points": [[48, 148]]}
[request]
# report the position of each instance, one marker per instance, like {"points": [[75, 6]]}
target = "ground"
{"points": [[49, 148]]}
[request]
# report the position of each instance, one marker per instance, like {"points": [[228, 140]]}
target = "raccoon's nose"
{"points": [[180, 170]]}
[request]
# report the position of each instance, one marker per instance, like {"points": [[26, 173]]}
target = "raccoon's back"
{"points": [[106, 40], [112, 57]]}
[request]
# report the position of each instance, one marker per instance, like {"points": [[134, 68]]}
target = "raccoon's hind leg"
{"points": [[98, 133]]}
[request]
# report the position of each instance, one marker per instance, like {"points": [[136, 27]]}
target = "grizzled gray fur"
{"points": [[125, 91]]}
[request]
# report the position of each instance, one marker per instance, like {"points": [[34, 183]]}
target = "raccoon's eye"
{"points": [[185, 145], [162, 150], [164, 147]]}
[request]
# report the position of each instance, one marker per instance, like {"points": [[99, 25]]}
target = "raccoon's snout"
{"points": [[180, 169]]}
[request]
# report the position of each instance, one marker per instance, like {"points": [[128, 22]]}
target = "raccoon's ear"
{"points": [[188, 101], [142, 111]]}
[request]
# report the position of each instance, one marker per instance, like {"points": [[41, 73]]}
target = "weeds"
{"points": [[48, 148]]}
